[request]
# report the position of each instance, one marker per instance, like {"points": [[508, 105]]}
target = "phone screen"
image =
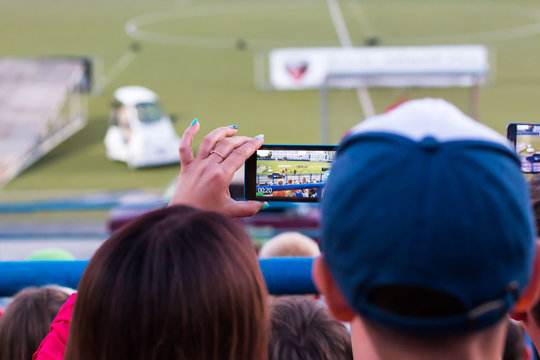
{"points": [[528, 147], [289, 172]]}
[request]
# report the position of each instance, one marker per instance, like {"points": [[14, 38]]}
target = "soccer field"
{"points": [[199, 57]]}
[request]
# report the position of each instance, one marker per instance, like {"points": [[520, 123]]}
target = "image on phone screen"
{"points": [[528, 147], [292, 174]]}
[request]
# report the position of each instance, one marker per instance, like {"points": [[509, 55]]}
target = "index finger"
{"points": [[186, 150]]}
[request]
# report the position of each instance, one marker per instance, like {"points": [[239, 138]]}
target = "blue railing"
{"points": [[282, 275]]}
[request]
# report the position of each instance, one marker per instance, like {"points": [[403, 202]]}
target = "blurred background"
{"points": [[208, 59]]}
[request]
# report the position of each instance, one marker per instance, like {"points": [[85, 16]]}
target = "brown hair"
{"points": [[27, 319], [178, 283], [302, 329]]}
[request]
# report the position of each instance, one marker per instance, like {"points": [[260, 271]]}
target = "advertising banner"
{"points": [[433, 66]]}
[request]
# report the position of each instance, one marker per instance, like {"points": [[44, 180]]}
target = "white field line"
{"points": [[345, 40], [489, 36], [360, 15], [122, 63], [134, 26], [339, 23]]}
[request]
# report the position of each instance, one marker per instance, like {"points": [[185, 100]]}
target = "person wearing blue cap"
{"points": [[531, 318], [430, 247], [434, 243]]}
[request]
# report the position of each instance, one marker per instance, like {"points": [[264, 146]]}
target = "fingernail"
{"points": [[194, 122], [260, 136], [233, 126], [265, 206]]}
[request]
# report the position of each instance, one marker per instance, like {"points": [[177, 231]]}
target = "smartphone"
{"points": [[526, 140], [294, 173]]}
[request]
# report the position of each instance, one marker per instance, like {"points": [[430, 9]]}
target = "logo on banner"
{"points": [[297, 70]]}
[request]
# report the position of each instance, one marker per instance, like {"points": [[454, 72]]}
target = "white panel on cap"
{"points": [[417, 119]]}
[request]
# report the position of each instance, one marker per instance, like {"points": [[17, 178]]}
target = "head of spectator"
{"points": [[534, 185], [428, 236], [515, 347], [290, 244], [177, 283], [531, 317], [26, 321], [302, 329]]}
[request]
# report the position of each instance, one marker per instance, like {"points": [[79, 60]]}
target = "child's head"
{"points": [[27, 319]]}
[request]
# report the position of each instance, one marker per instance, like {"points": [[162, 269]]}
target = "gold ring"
{"points": [[217, 153]]}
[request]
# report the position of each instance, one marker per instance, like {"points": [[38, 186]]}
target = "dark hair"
{"points": [[514, 346], [27, 319], [303, 329], [415, 301], [534, 185], [177, 283]]}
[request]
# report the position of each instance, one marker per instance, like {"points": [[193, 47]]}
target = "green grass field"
{"points": [[313, 167], [198, 71]]}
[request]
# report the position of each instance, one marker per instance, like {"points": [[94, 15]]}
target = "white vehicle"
{"points": [[139, 133]]}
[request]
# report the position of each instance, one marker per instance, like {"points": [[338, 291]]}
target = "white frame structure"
{"points": [[352, 81], [393, 67]]}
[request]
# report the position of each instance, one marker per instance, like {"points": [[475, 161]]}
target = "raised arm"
{"points": [[204, 179]]}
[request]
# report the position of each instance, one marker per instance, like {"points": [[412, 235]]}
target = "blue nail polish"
{"points": [[260, 136], [194, 122], [233, 126], [265, 206]]}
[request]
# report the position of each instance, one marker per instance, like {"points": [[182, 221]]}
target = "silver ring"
{"points": [[217, 153]]}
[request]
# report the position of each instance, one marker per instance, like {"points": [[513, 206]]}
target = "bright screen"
{"points": [[528, 147], [292, 173]]}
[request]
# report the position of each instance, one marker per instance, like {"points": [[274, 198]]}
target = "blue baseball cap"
{"points": [[426, 197]]}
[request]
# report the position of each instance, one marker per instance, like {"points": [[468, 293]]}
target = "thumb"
{"points": [[245, 208]]}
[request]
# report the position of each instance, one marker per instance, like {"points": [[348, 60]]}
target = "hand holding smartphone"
{"points": [[294, 173], [526, 140]]}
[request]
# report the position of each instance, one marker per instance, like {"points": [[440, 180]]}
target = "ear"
{"points": [[530, 295], [324, 282]]}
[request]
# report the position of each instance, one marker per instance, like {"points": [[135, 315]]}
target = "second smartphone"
{"points": [[526, 139]]}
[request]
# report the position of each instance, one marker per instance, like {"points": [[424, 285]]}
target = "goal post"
{"points": [[354, 81]]}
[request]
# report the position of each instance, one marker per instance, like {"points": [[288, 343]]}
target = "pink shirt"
{"points": [[54, 344]]}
